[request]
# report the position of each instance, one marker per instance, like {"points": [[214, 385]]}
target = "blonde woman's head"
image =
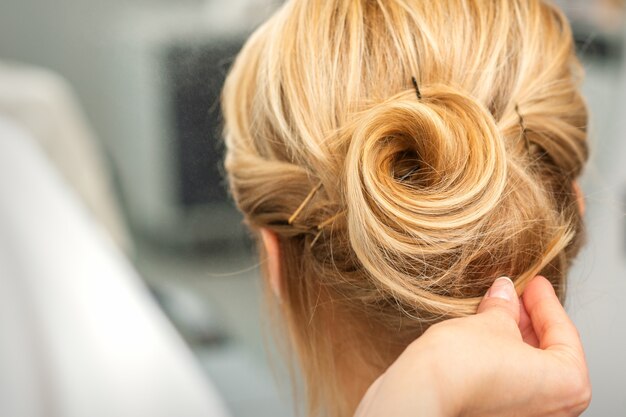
{"points": [[390, 211]]}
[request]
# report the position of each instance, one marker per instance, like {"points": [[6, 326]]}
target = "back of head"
{"points": [[417, 199]]}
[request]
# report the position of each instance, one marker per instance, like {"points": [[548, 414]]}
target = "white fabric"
{"points": [[79, 334], [42, 103]]}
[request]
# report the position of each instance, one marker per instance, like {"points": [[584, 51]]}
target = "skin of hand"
{"points": [[515, 357]]}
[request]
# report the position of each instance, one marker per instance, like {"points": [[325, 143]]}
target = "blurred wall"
{"points": [[71, 37], [110, 53]]}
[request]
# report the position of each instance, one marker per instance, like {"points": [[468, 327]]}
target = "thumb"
{"points": [[501, 299]]}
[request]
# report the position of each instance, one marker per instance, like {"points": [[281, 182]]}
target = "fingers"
{"points": [[557, 334], [501, 299], [526, 327], [552, 326]]}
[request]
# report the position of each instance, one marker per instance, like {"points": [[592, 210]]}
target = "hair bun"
{"points": [[420, 175]]}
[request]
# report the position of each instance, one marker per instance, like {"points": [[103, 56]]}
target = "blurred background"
{"points": [[119, 101]]}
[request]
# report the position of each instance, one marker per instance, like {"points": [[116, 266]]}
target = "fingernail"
{"points": [[503, 288]]}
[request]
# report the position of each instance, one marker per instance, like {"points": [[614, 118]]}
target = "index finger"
{"points": [[553, 327]]}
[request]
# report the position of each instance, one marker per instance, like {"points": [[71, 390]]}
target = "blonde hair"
{"points": [[426, 199]]}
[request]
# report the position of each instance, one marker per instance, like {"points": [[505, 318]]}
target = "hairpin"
{"points": [[304, 202], [329, 220], [523, 126], [417, 89], [323, 224]]}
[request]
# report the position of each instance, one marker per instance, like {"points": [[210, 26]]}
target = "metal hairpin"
{"points": [[523, 126], [304, 202], [320, 226], [323, 224], [417, 89]]}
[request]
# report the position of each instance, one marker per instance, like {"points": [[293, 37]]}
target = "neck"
{"points": [[359, 361]]}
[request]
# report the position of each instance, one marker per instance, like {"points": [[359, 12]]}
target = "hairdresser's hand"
{"points": [[514, 358]]}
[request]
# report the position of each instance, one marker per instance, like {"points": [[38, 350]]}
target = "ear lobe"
{"points": [[272, 249], [580, 197]]}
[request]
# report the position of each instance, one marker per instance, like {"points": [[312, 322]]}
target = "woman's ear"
{"points": [[580, 197], [272, 249]]}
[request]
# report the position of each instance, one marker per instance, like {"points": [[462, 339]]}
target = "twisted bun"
{"points": [[423, 180]]}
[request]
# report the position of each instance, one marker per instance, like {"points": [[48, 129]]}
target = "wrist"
{"points": [[438, 394]]}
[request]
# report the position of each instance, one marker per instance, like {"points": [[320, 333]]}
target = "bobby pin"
{"points": [[329, 220], [304, 202], [417, 89], [315, 238], [324, 224]]}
